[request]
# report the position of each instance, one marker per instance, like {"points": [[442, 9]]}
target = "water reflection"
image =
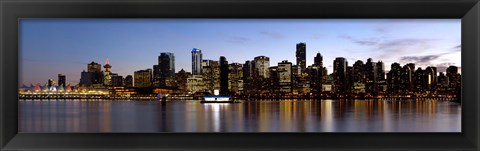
{"points": [[257, 116]]}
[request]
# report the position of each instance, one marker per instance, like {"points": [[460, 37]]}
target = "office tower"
{"points": [[349, 80], [431, 78], [274, 85], [285, 76], [211, 75], [128, 81], [393, 78], [224, 76], [196, 61], [247, 76], [418, 82], [143, 78], [442, 81], [166, 67], [181, 80], [93, 76], [116, 79], [406, 79], [106, 74], [301, 55], [94, 67], [156, 75], [380, 71], [358, 72], [371, 77], [318, 60], [262, 64], [453, 77], [315, 78], [62, 80], [339, 73], [358, 77], [235, 75]]}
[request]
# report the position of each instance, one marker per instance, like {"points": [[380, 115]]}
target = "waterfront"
{"points": [[255, 116]]}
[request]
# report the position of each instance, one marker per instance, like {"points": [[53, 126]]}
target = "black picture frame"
{"points": [[12, 10]]}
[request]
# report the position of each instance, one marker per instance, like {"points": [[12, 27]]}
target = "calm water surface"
{"points": [[256, 116]]}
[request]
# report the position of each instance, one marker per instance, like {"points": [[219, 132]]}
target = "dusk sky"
{"points": [[49, 47]]}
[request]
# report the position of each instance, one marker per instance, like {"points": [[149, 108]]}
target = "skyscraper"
{"points": [[61, 80], [339, 72], [128, 81], [224, 76], [196, 61], [93, 76], [94, 67], [285, 76], [143, 78], [301, 55], [393, 78], [318, 60], [166, 67], [371, 76], [262, 64]]}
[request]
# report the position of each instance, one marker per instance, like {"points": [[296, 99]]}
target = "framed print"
{"points": [[303, 75]]}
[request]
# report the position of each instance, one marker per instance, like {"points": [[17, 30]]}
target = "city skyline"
{"points": [[427, 47]]}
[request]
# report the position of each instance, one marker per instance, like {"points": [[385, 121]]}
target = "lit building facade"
{"points": [[143, 78], [301, 55], [197, 61]]}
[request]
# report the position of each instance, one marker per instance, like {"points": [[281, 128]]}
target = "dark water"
{"points": [[259, 116]]}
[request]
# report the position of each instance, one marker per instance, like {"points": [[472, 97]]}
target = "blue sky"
{"points": [[52, 46]]}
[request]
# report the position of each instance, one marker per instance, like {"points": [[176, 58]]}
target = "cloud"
{"points": [[238, 40], [273, 35], [368, 42], [457, 47], [419, 59]]}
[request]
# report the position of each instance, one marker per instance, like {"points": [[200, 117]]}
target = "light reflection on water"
{"points": [[257, 116]]}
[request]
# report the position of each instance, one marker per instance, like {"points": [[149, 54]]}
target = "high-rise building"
{"points": [[349, 81], [211, 75], [235, 81], [166, 67], [339, 73], [431, 78], [181, 80], [93, 76], [196, 61], [262, 64], [301, 55], [61, 80], [418, 82], [380, 70], [224, 76], [393, 78], [285, 76], [370, 77], [274, 85], [315, 74], [156, 75], [116, 80], [143, 78], [128, 81], [407, 79], [318, 60], [359, 72], [94, 67], [453, 77], [106, 74]]}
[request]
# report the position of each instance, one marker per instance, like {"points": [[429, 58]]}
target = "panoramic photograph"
{"points": [[239, 75]]}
